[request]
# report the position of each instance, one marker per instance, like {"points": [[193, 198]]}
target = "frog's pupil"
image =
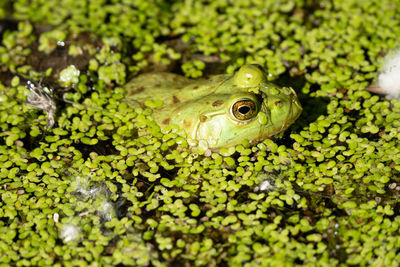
{"points": [[244, 110]]}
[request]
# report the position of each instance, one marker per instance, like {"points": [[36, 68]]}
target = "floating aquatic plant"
{"points": [[325, 193]]}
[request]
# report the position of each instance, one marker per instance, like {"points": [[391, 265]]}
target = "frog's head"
{"points": [[248, 108]]}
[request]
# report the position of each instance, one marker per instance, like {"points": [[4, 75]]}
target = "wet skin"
{"points": [[221, 111]]}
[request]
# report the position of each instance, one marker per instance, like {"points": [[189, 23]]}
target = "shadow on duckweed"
{"points": [[7, 24]]}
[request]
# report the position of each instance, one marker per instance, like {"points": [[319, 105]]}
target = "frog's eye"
{"points": [[244, 109]]}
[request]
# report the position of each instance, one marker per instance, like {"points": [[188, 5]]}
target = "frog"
{"points": [[221, 111]]}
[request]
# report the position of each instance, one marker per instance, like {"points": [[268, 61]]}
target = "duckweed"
{"points": [[106, 185]]}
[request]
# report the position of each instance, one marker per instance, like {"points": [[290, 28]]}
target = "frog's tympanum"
{"points": [[221, 111]]}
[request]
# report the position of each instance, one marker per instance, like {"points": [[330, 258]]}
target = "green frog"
{"points": [[221, 111]]}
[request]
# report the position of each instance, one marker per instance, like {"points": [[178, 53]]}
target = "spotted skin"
{"points": [[221, 111]]}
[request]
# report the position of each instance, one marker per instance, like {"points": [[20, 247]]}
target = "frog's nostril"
{"points": [[277, 102]]}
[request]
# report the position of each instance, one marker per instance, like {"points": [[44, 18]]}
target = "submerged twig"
{"points": [[40, 99]]}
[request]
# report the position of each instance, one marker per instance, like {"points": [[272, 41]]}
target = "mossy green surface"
{"points": [[106, 187]]}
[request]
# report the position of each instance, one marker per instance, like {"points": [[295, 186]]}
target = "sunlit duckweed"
{"points": [[325, 193]]}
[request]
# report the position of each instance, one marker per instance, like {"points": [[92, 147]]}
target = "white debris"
{"points": [[69, 232], [98, 194], [265, 186], [106, 210], [56, 217], [389, 78], [81, 185]]}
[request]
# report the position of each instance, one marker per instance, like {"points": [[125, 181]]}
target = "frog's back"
{"points": [[169, 87], [150, 85]]}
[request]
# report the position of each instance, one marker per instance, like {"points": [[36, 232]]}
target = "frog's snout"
{"points": [[297, 106], [295, 102], [285, 108], [294, 110]]}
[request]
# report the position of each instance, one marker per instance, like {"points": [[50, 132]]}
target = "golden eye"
{"points": [[244, 109]]}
